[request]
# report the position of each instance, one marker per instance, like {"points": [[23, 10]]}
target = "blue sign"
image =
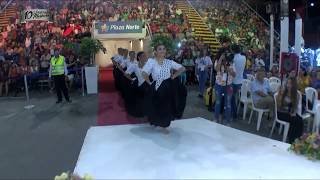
{"points": [[119, 27]]}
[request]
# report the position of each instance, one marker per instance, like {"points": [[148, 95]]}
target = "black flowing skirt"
{"points": [[117, 77], [137, 107], [166, 103]]}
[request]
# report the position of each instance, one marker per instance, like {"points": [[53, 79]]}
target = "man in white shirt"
{"points": [[239, 64], [203, 63]]}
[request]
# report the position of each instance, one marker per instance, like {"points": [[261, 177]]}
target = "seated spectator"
{"points": [[303, 80], [262, 96], [274, 71], [4, 33], [4, 78], [315, 81], [259, 62], [287, 103], [14, 78], [45, 62]]}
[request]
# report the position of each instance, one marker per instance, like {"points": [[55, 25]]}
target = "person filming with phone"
{"points": [[225, 70]]}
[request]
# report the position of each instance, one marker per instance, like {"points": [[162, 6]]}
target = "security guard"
{"points": [[58, 70]]}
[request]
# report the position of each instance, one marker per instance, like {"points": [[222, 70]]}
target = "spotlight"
{"points": [[294, 10], [179, 45], [312, 4]]}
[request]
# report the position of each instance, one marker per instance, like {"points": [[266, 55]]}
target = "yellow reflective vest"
{"points": [[57, 65]]}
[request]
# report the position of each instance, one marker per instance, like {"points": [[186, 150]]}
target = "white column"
{"points": [[271, 39], [298, 38], [284, 44]]}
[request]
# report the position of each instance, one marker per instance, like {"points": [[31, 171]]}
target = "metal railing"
{"points": [[191, 6], [259, 16], [5, 7], [149, 30]]}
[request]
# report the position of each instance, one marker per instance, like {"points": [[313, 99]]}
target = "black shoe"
{"points": [[200, 96], [69, 101], [58, 102]]}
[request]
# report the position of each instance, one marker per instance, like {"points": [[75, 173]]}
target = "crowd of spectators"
{"points": [[26, 47], [233, 19]]}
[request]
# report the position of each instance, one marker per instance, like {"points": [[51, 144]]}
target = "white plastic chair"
{"points": [[250, 77], [275, 80], [299, 112], [244, 97], [274, 86], [260, 114], [317, 119], [282, 123], [311, 96]]}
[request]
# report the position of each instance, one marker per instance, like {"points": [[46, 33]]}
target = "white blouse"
{"points": [[126, 63], [160, 72], [117, 58], [134, 68], [203, 63]]}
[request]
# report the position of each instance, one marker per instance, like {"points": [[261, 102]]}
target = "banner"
{"points": [[119, 27], [35, 15]]}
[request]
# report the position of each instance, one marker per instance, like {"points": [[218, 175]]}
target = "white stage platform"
{"points": [[194, 149]]}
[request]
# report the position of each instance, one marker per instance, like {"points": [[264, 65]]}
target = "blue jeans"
{"points": [[183, 78], [236, 88], [227, 92], [203, 76]]}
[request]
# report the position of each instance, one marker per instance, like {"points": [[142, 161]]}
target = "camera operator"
{"points": [[225, 42], [223, 86]]}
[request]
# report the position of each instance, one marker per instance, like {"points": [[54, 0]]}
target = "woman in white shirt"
{"points": [[122, 66], [161, 94], [116, 60], [223, 88], [126, 84], [137, 87], [203, 63]]}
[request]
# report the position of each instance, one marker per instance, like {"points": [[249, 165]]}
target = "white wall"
{"points": [[104, 60]]}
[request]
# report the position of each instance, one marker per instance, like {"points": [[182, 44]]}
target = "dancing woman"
{"points": [[117, 60], [161, 94], [138, 88]]}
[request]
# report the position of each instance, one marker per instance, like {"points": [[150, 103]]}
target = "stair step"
{"points": [[201, 28], [205, 35], [209, 39], [203, 32], [198, 25], [213, 42], [213, 46], [195, 18]]}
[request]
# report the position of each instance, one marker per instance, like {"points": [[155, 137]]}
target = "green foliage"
{"points": [[165, 41], [90, 46], [68, 45]]}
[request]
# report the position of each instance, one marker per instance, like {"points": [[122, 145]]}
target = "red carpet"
{"points": [[111, 105]]}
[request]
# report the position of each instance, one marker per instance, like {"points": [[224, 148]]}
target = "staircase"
{"points": [[9, 12], [200, 28]]}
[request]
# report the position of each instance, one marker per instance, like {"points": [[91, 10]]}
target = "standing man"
{"points": [[239, 64], [58, 69]]}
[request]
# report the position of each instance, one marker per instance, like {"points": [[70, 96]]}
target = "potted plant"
{"points": [[88, 48]]}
